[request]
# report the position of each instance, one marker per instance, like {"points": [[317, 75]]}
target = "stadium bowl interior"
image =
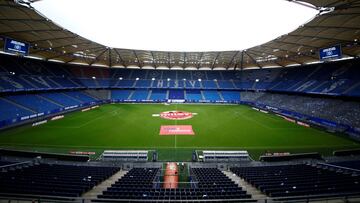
{"points": [[236, 131]]}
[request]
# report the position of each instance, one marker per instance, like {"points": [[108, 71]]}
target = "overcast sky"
{"points": [[177, 25]]}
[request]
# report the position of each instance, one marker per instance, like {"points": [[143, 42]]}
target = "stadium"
{"points": [[81, 121]]}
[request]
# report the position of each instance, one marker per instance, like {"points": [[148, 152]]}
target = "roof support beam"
{"points": [[184, 64], [287, 50], [66, 54], [71, 60], [347, 4], [55, 56], [242, 61], [200, 60], [215, 59], [121, 59], [232, 59], [97, 57], [272, 61], [31, 30], [319, 37], [168, 59], [70, 54], [298, 44], [332, 27], [153, 60], [260, 66], [24, 19], [110, 59], [137, 58], [304, 4], [332, 4], [66, 45], [58, 38], [339, 14], [287, 58]]}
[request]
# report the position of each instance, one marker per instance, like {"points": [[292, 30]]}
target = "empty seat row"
{"points": [[53, 180], [298, 180]]}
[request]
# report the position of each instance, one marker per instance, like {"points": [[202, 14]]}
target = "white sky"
{"points": [[177, 25]]}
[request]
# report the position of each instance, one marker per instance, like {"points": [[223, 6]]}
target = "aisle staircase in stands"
{"points": [[97, 190]]}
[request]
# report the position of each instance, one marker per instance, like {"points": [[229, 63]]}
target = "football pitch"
{"points": [[133, 126]]}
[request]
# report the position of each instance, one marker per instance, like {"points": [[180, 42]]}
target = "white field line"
{"points": [[88, 122], [253, 120], [266, 126], [176, 106]]}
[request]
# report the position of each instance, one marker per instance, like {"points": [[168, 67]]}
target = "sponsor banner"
{"points": [[71, 107], [24, 118], [303, 124], [271, 108], [176, 130], [289, 119], [86, 109], [176, 100], [33, 116], [82, 153], [57, 117], [277, 154], [39, 123]]}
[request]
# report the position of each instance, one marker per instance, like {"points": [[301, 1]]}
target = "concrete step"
{"points": [[97, 190], [254, 192]]}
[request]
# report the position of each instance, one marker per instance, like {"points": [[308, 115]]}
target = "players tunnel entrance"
{"points": [[171, 176]]}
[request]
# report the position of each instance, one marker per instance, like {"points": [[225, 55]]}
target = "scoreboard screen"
{"points": [[333, 52], [17, 47]]}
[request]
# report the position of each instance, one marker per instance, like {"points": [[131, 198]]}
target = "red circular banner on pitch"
{"points": [[176, 115]]}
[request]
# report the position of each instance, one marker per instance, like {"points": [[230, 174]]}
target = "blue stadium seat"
{"points": [[120, 94], [231, 95], [34, 103], [140, 94], [211, 95], [176, 94], [193, 95], [158, 94]]}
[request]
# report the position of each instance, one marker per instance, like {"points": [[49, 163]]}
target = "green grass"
{"points": [[131, 126]]}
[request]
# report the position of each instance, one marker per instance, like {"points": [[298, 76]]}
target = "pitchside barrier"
{"points": [[124, 155], [219, 156], [44, 115]]}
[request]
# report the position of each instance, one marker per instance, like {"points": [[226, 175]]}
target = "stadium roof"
{"points": [[338, 22]]}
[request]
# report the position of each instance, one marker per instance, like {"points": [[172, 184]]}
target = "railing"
{"points": [[10, 166], [340, 167], [11, 198]]}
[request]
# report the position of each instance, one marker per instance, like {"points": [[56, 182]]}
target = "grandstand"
{"points": [[228, 126]]}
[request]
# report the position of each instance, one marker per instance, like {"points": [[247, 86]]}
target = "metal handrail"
{"points": [[61, 199], [15, 164], [340, 167]]}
